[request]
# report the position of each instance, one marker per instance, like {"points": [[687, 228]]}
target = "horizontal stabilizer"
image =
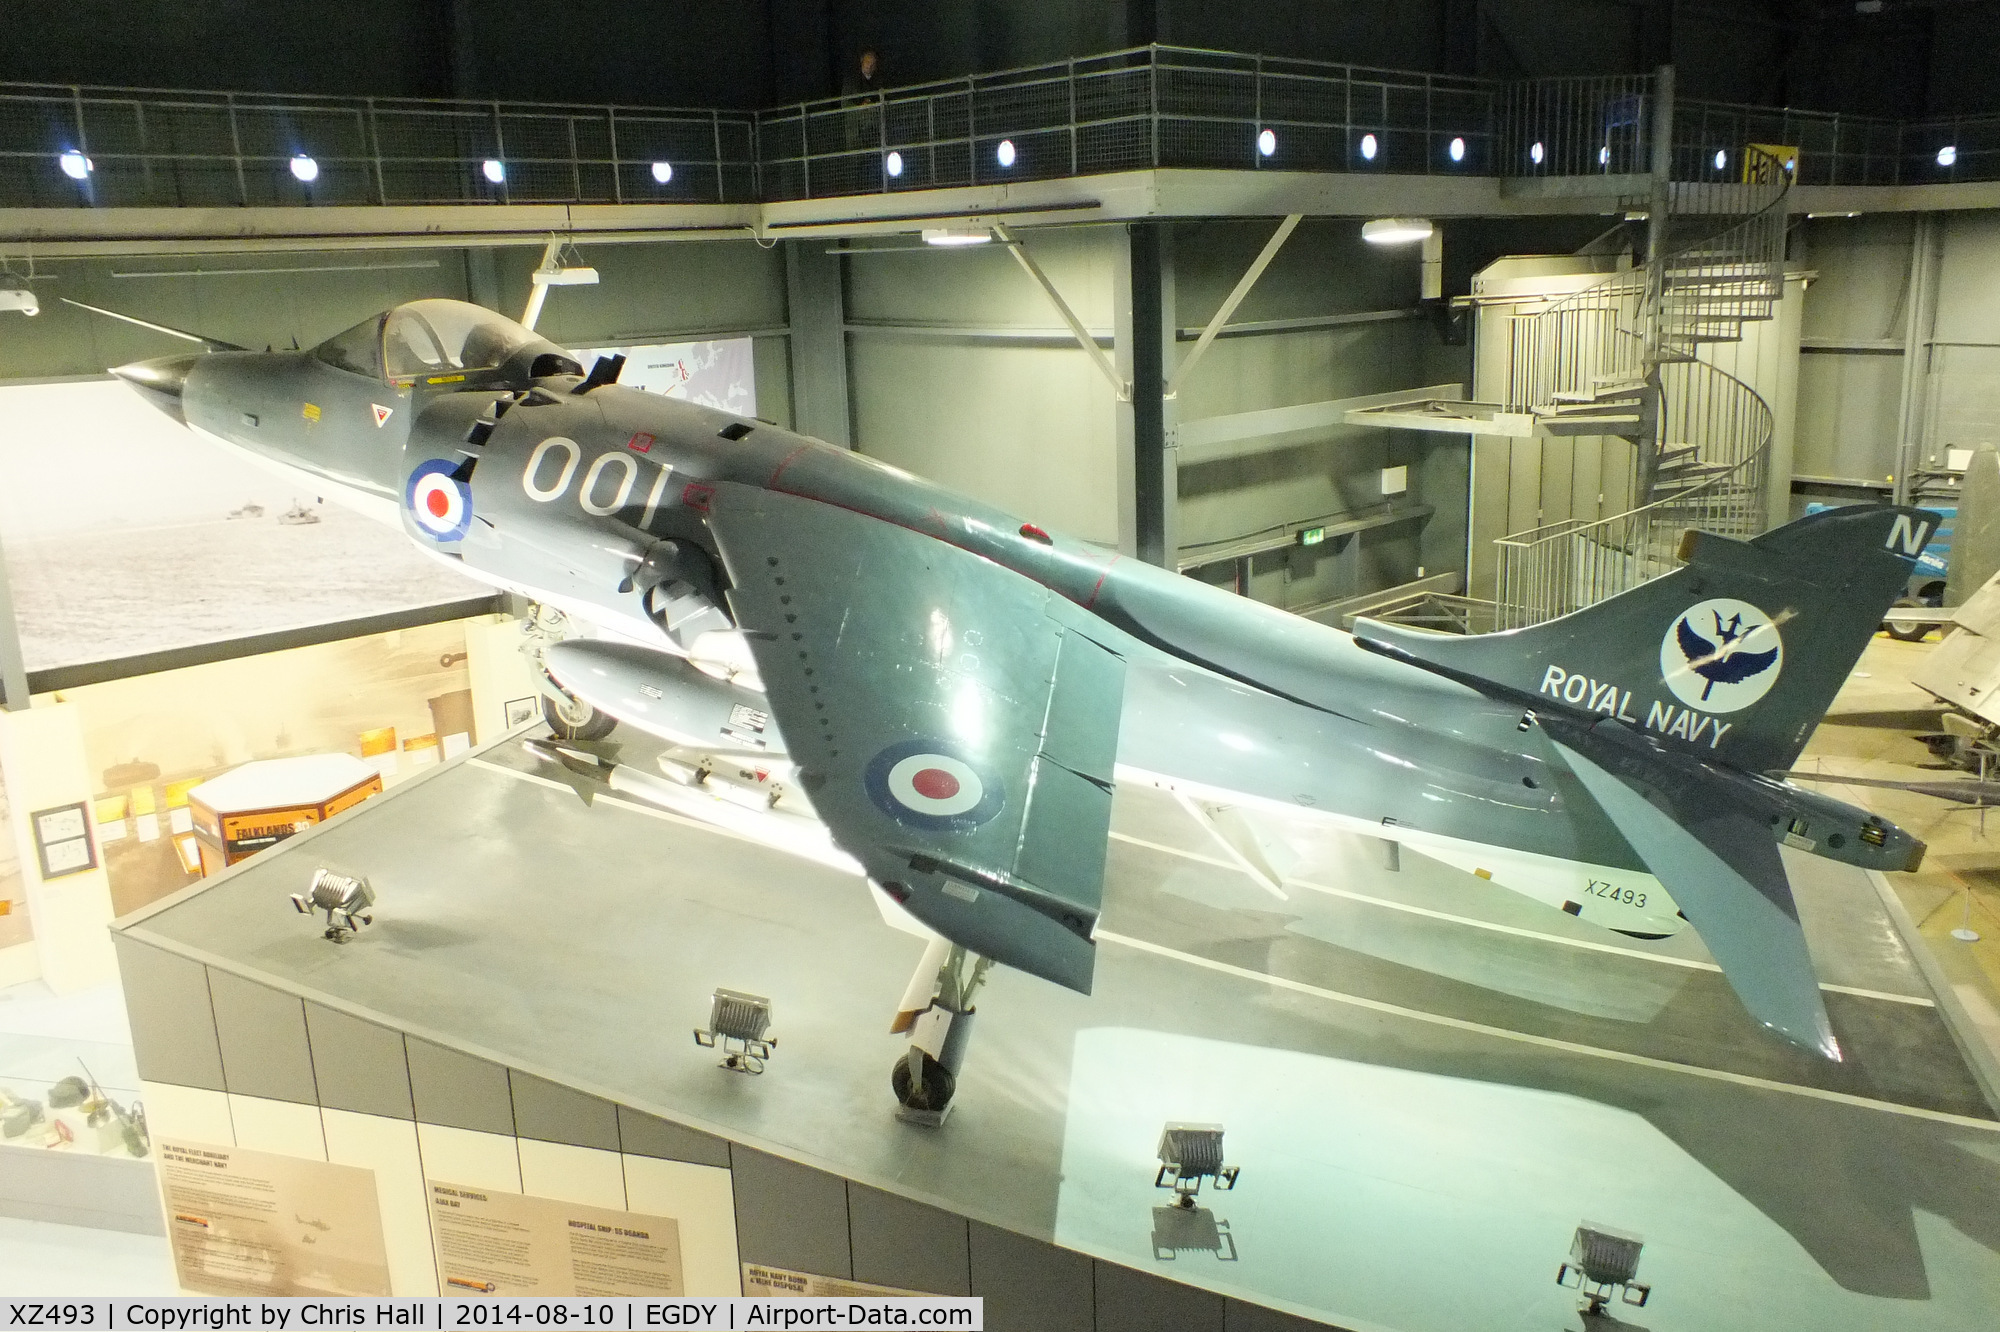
{"points": [[1722, 866]]}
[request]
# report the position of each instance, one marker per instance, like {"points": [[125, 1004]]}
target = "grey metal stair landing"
{"points": [[1421, 412]]}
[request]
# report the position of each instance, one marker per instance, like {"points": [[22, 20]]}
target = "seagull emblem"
{"points": [[1723, 661]]}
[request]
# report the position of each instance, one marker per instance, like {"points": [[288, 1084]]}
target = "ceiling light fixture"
{"points": [[663, 172], [1535, 154], [1457, 150], [1004, 154], [1396, 230], [1267, 142], [494, 170], [75, 165], [1721, 158], [304, 169], [1948, 155], [1368, 146], [894, 163], [956, 236]]}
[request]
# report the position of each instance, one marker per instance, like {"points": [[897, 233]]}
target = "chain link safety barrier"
{"points": [[425, 1314]]}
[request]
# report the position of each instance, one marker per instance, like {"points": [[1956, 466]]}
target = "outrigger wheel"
{"points": [[573, 719], [921, 1082]]}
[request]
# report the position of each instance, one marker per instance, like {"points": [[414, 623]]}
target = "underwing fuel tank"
{"points": [[665, 695]]}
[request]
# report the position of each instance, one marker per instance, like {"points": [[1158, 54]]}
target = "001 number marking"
{"points": [[1611, 892]]}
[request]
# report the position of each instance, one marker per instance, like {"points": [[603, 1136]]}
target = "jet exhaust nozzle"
{"points": [[161, 381]]}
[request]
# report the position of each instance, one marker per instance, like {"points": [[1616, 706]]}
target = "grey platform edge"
{"points": [[194, 1025]]}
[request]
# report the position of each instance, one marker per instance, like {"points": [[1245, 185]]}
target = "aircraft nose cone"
{"points": [[161, 381]]}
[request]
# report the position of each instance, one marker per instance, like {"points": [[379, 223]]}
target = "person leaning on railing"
{"points": [[860, 88]]}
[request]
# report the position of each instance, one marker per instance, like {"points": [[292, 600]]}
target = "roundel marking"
{"points": [[1721, 655], [927, 783], [440, 506]]}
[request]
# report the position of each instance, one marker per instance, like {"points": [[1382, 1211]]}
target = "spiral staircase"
{"points": [[1631, 358]]}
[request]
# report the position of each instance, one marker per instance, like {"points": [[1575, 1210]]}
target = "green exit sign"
{"points": [[1312, 536]]}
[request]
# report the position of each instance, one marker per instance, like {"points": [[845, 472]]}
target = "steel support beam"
{"points": [[1148, 479], [1119, 384], [1926, 256], [816, 305], [1234, 299]]}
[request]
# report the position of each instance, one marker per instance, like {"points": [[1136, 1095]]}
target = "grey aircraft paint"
{"points": [[957, 687]]}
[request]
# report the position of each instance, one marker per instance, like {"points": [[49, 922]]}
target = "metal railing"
{"points": [[1629, 349], [162, 148], [1142, 107]]}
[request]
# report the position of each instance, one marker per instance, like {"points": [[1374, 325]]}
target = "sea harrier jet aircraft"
{"points": [[951, 691]]}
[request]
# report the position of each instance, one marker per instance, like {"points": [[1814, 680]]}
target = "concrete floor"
{"points": [[1427, 1081], [1869, 732]]}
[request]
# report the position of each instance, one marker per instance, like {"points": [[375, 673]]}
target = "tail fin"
{"points": [[1732, 658]]}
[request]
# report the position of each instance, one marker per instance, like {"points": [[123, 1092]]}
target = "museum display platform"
{"points": [[1427, 1081]]}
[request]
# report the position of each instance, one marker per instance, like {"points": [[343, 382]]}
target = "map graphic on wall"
{"points": [[126, 534], [714, 374]]}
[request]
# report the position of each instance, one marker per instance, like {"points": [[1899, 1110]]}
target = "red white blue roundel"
{"points": [[441, 506], [927, 783]]}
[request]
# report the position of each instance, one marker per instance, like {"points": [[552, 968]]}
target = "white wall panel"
{"points": [[389, 1148], [188, 1114], [464, 1156], [284, 1127], [700, 1199], [584, 1175]]}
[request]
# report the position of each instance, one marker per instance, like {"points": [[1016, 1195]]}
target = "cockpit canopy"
{"points": [[427, 339]]}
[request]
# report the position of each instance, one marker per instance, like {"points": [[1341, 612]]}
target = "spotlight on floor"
{"points": [[1190, 1153], [1396, 230], [1602, 1262], [739, 1024], [344, 898]]}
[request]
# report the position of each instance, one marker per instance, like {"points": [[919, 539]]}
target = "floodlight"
{"points": [[1368, 147], [1721, 158], [1457, 150], [494, 170], [1396, 230], [345, 899], [20, 299], [950, 236], [738, 1023], [894, 164], [1190, 1153], [75, 165], [1948, 155], [1267, 142], [1004, 154], [1535, 154], [663, 172], [304, 168], [1604, 155], [1603, 1260]]}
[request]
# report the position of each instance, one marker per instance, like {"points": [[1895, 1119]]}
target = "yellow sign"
{"points": [[1757, 162]]}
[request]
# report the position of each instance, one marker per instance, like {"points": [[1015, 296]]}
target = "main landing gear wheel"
{"points": [[922, 1083], [937, 1013], [573, 719], [1910, 633]]}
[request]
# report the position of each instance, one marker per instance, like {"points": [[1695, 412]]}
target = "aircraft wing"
{"points": [[1719, 861], [954, 723]]}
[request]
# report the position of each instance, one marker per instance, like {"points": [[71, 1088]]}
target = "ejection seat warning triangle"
{"points": [[382, 414]]}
